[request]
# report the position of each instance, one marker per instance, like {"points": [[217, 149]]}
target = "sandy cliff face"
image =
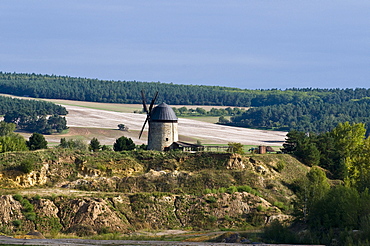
{"points": [[11, 210], [87, 215], [17, 179], [95, 214], [156, 192]]}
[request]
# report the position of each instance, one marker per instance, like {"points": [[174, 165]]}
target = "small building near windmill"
{"points": [[187, 147], [162, 128]]}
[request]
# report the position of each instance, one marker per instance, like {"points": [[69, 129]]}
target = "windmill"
{"points": [[146, 109], [162, 122]]}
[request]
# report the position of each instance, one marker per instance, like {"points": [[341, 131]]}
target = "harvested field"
{"points": [[90, 119], [91, 122]]}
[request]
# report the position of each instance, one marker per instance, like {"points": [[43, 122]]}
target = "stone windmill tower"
{"points": [[162, 125]]}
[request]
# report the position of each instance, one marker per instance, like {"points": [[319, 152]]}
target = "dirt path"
{"points": [[85, 242]]}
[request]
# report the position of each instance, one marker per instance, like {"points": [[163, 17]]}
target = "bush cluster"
{"points": [[232, 189], [26, 166], [28, 209]]}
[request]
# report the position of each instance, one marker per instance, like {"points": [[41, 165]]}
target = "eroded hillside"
{"points": [[88, 193]]}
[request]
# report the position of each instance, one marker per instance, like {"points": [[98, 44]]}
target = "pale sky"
{"points": [[248, 44]]}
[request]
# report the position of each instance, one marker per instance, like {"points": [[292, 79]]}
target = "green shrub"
{"points": [[27, 206], [260, 208], [280, 166], [278, 233], [231, 189], [18, 197], [228, 218], [30, 216], [212, 218], [123, 143], [244, 188], [94, 145], [48, 224], [54, 225], [257, 219], [207, 191], [102, 167], [4, 229], [37, 141], [236, 148], [28, 209], [214, 191], [211, 199], [222, 190], [26, 166], [106, 148], [17, 223], [280, 205]]}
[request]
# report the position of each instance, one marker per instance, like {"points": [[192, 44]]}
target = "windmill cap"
{"points": [[163, 112]]}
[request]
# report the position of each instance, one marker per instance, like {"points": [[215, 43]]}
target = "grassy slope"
{"points": [[205, 166], [189, 175]]}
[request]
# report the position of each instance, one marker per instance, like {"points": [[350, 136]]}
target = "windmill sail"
{"points": [[148, 112]]}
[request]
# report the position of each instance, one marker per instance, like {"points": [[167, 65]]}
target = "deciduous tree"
{"points": [[12, 142], [236, 148], [6, 128]]}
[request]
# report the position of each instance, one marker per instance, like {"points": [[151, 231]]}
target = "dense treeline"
{"points": [[64, 87], [336, 213], [184, 111], [316, 110], [8, 104], [344, 152], [311, 116], [33, 115], [32, 122]]}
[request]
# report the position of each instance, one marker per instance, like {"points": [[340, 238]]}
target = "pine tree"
{"points": [[123, 143], [37, 141], [94, 145]]}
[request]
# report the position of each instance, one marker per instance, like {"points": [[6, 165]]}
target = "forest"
{"points": [[9, 104], [33, 115], [336, 208], [304, 109], [311, 116]]}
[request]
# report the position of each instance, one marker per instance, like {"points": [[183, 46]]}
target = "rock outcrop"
{"points": [[87, 216], [10, 211], [157, 191]]}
